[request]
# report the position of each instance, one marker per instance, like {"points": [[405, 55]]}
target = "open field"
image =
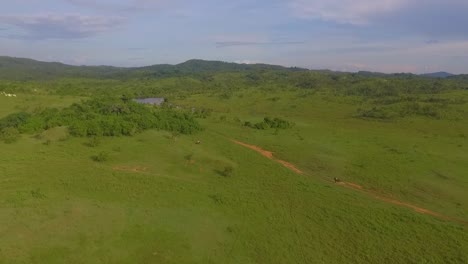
{"points": [[160, 198]]}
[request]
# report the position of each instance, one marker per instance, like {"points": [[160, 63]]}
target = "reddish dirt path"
{"points": [[135, 169], [355, 186], [400, 203], [269, 155]]}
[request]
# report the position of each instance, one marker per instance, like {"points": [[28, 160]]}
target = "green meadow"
{"points": [[159, 197]]}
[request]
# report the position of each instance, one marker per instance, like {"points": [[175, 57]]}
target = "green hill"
{"points": [[437, 75], [28, 69]]}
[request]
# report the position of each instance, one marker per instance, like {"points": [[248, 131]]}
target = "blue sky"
{"points": [[378, 35]]}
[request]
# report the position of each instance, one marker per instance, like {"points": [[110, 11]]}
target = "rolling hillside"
{"points": [[27, 69], [247, 164]]}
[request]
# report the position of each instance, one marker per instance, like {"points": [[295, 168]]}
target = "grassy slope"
{"points": [[58, 206], [416, 159], [30, 102]]}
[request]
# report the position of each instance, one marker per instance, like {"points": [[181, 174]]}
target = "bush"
{"points": [[201, 113], [276, 123], [261, 126], [189, 157], [227, 171], [9, 135], [37, 194], [374, 113], [101, 157], [14, 120], [93, 142]]}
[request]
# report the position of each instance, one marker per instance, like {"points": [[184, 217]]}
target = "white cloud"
{"points": [[61, 26], [344, 11], [121, 5], [246, 62]]}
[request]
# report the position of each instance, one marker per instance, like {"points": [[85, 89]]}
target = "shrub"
{"points": [[37, 194], [93, 142], [189, 157], [227, 171], [201, 113], [9, 135], [101, 157], [261, 125], [374, 112], [276, 123]]}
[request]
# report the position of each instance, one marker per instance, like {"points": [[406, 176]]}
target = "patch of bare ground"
{"points": [[134, 169]]}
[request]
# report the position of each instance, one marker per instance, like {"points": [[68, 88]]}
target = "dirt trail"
{"points": [[135, 169], [355, 186], [269, 155], [400, 203]]}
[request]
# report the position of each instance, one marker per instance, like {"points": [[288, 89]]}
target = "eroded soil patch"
{"points": [[134, 169], [269, 155]]}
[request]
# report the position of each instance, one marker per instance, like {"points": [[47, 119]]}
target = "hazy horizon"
{"points": [[238, 62], [342, 35]]}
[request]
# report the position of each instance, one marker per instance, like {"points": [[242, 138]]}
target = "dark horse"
{"points": [[336, 180]]}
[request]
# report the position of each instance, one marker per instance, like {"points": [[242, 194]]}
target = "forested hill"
{"points": [[28, 69], [438, 75]]}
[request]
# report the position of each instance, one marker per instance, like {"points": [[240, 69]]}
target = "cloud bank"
{"points": [[59, 26], [345, 11]]}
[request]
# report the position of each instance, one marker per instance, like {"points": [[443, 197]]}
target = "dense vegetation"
{"points": [[276, 123], [74, 191], [100, 117]]}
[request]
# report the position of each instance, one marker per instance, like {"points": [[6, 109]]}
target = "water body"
{"points": [[151, 101]]}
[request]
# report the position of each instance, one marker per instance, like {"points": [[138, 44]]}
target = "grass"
{"points": [[149, 203]]}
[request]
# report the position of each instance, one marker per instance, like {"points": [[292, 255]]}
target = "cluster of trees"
{"points": [[102, 117], [10, 126], [404, 109], [276, 123]]}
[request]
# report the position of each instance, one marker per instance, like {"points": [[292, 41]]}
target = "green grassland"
{"points": [[158, 197]]}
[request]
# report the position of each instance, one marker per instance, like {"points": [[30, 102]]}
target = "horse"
{"points": [[336, 180]]}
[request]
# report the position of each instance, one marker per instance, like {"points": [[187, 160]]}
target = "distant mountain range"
{"points": [[438, 75], [428, 75], [27, 69]]}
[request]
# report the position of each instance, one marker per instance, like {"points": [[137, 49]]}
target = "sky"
{"points": [[347, 35]]}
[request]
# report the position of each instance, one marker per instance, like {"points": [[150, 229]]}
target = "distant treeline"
{"points": [[376, 96], [100, 117], [224, 83]]}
